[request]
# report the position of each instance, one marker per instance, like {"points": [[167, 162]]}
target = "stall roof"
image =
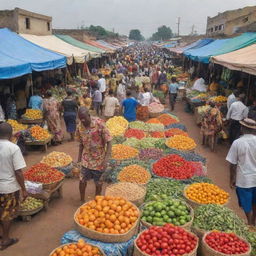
{"points": [[232, 44], [55, 44], [97, 44], [19, 56], [194, 45], [242, 60], [95, 52], [112, 47]]}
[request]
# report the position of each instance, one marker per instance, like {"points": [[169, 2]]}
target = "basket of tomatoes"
{"points": [[108, 219], [166, 240], [79, 248], [222, 244]]}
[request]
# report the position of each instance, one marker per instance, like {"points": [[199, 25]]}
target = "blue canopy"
{"points": [[204, 54], [19, 56]]}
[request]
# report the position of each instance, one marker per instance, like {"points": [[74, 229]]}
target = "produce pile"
{"points": [[205, 193], [167, 119], [155, 107], [153, 121], [38, 133], [43, 173], [181, 142], [135, 133], [117, 125], [175, 131], [107, 214], [122, 152], [79, 248], [161, 212], [16, 126], [167, 240], [150, 154], [157, 134], [33, 114], [144, 143], [30, 204], [57, 159], [219, 99], [139, 125]]}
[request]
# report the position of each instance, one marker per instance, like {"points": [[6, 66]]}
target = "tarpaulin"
{"points": [[242, 60], [94, 51], [19, 56], [97, 44], [55, 44], [112, 47]]}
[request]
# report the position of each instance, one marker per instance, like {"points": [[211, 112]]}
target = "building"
{"points": [[231, 22], [25, 22]]}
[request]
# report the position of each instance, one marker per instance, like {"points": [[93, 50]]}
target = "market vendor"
{"points": [[36, 101], [129, 106], [11, 183], [242, 159], [94, 150]]}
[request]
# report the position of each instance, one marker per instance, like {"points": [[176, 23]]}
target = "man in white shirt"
{"points": [[110, 105], [102, 84], [242, 159], [237, 112], [11, 182], [232, 98]]}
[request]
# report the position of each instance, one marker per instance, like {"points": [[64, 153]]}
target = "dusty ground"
{"points": [[40, 236]]}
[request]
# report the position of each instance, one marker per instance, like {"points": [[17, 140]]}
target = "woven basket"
{"points": [[30, 212], [107, 238], [154, 115], [186, 226], [103, 254], [194, 204], [52, 186], [138, 201], [208, 251], [138, 252]]}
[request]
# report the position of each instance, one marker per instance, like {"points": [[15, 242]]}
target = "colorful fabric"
{"points": [[35, 102], [212, 122], [52, 115], [9, 204], [85, 102], [94, 141]]}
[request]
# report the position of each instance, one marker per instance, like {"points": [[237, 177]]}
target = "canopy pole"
{"points": [[248, 88]]}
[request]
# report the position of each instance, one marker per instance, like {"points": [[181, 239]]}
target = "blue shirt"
{"points": [[173, 88], [35, 102], [130, 105]]}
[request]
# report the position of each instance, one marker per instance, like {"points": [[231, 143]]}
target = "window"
{"points": [[211, 29], [27, 20], [245, 20], [48, 26], [221, 27], [216, 28]]}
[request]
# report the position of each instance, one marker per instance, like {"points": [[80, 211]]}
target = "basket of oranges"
{"points": [[108, 219]]}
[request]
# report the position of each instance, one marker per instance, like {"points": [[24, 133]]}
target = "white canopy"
{"points": [[55, 44]]}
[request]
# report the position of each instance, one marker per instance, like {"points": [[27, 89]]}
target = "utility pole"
{"points": [[193, 30], [178, 26]]}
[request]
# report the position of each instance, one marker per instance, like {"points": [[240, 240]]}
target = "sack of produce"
{"points": [[142, 113], [39, 134], [33, 187], [155, 109], [77, 249], [130, 191], [198, 194], [216, 243], [165, 240], [108, 219], [172, 211]]}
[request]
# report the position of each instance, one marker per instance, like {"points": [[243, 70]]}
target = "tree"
{"points": [[136, 35], [163, 33]]}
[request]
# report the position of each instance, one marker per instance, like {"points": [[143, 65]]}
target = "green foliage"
{"points": [[163, 33], [136, 35], [100, 32]]}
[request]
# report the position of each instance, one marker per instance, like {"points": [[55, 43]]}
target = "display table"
{"points": [[39, 143], [30, 121]]}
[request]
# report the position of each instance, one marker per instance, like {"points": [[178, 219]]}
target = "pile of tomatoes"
{"points": [[174, 166], [227, 243], [168, 240]]}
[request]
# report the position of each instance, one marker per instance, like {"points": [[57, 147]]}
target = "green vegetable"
{"points": [[251, 238]]}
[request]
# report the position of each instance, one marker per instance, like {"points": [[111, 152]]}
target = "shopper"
{"points": [[94, 150], [237, 112], [232, 98], [110, 105], [36, 101], [11, 111], [70, 107], [242, 159], [11, 183], [51, 110], [97, 100], [129, 106], [173, 92]]}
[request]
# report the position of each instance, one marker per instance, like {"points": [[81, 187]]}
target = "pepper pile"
{"points": [[122, 152], [157, 134], [166, 119], [205, 193], [227, 243], [175, 131], [134, 133], [117, 125], [153, 121], [57, 159], [39, 133], [167, 240], [174, 166], [43, 173], [181, 142], [33, 114]]}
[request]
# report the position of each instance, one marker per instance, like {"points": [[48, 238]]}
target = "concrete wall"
{"points": [[78, 34], [7, 20]]}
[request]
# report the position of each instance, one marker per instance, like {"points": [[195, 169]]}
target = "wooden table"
{"points": [[40, 143], [30, 121]]}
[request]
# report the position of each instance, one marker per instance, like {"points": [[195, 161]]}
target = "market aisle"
{"points": [[43, 233]]}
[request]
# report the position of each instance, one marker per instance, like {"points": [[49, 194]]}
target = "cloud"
{"points": [[120, 15]]}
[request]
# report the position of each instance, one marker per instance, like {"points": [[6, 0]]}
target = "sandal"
{"points": [[11, 242]]}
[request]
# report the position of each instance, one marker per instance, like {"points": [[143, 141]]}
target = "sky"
{"points": [[122, 16]]}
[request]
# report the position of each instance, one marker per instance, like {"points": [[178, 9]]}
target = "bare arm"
{"points": [[232, 177], [80, 153], [20, 180]]}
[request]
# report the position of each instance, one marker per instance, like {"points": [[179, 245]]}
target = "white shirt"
{"points": [[145, 98], [11, 160], [237, 111], [243, 154], [231, 99], [199, 85], [102, 84], [110, 104]]}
